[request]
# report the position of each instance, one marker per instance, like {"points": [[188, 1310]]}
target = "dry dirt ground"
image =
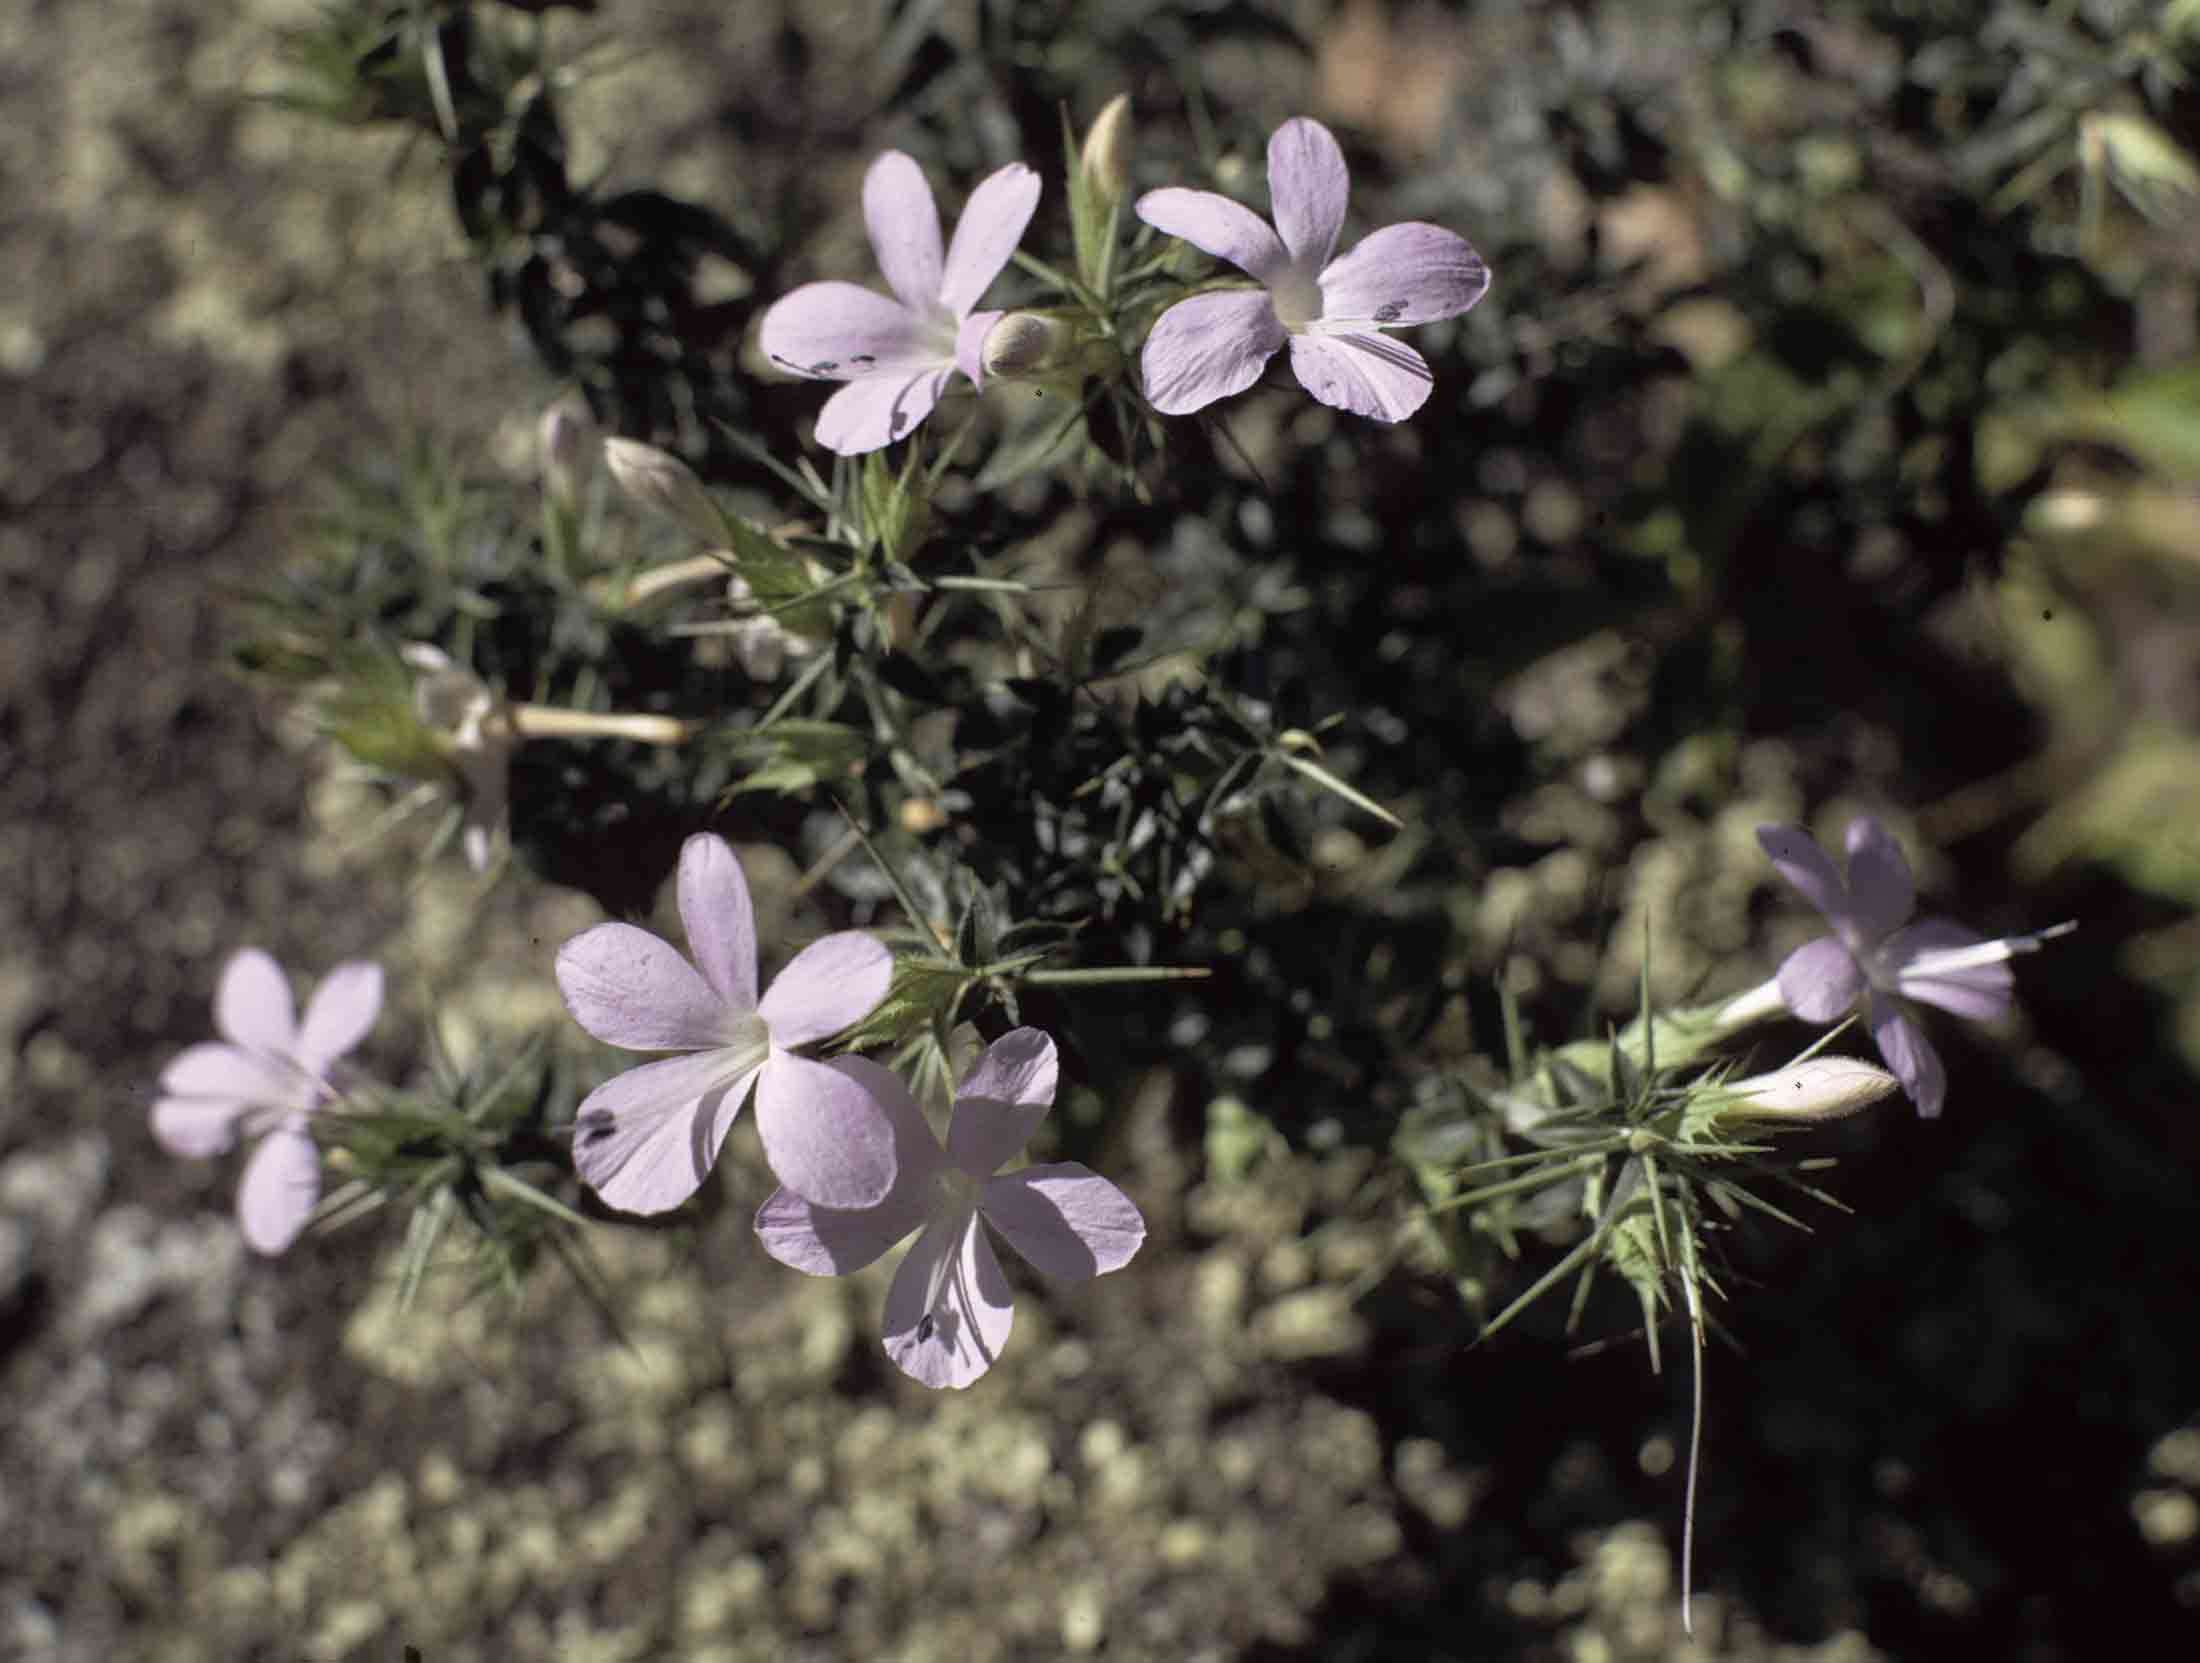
{"points": [[207, 1458]]}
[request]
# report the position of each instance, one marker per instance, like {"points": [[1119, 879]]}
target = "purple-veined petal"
{"points": [[281, 1184], [645, 1140], [970, 345], [231, 1074], [1001, 1101], [1980, 992], [949, 1310], [1216, 225], [991, 226], [832, 1241], [872, 413], [824, 1135], [831, 984], [1370, 375], [339, 1015], [1066, 1220], [197, 1126], [1821, 981], [1881, 892], [1906, 1050], [632, 990], [905, 230], [840, 331], [1404, 274], [720, 923], [252, 1005], [1209, 347], [1795, 855], [1307, 187]]}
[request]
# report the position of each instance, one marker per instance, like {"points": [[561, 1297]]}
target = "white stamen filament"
{"points": [[1949, 960]]}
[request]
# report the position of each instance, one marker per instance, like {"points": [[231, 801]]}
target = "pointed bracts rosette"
{"points": [[897, 352], [948, 1310], [646, 1139], [1879, 961], [1334, 314], [269, 1073]]}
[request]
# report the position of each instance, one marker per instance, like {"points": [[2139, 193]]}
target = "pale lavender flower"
{"points": [[896, 354], [1332, 312], [949, 1308], [1877, 956], [645, 1140], [269, 1075]]}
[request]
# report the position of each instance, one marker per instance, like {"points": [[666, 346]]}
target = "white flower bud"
{"points": [[1023, 345], [1104, 158], [1817, 1088], [571, 442], [662, 483]]}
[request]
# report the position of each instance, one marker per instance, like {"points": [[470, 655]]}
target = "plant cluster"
{"points": [[1082, 801]]}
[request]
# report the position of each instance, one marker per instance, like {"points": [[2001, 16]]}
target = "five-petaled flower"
{"points": [[269, 1075], [948, 1310], [1332, 312], [896, 355], [1876, 955], [645, 1140]]}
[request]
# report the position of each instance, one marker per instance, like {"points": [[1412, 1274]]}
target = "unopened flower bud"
{"points": [[1817, 1088], [1024, 345], [1104, 158], [662, 483], [571, 442]]}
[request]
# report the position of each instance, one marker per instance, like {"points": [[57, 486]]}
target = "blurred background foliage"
{"points": [[1830, 440]]}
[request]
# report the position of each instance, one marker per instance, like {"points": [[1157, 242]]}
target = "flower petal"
{"points": [[339, 1015], [824, 1134], [970, 345], [1001, 1101], [872, 413], [1881, 892], [1066, 1220], [231, 1074], [1370, 375], [1216, 225], [1307, 186], [838, 331], [831, 984], [645, 1140], [1911, 1055], [905, 230], [201, 1122], [1795, 855], [986, 236], [1209, 347], [720, 923], [282, 1182], [949, 1310], [832, 1241], [252, 1005], [630, 989], [1981, 992], [1820, 981], [1404, 274]]}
